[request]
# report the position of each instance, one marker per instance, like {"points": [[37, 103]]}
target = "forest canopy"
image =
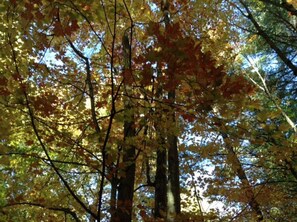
{"points": [[148, 110]]}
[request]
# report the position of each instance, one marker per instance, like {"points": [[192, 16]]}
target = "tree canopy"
{"points": [[156, 110]]}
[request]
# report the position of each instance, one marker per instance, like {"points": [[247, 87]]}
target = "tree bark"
{"points": [[161, 184], [126, 181], [126, 185], [173, 189], [161, 163], [113, 198], [161, 166], [173, 192]]}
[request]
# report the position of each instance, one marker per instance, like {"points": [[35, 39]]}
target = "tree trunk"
{"points": [[161, 164], [248, 189], [126, 181], [173, 192], [161, 178], [173, 189], [113, 198], [126, 186]]}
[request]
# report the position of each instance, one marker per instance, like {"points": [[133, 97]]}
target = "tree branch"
{"points": [[31, 116], [268, 40], [62, 209], [285, 5]]}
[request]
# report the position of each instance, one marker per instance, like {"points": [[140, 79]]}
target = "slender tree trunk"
{"points": [[126, 185], [126, 181], [161, 167], [161, 164], [173, 192], [113, 198], [248, 189], [173, 189], [161, 185]]}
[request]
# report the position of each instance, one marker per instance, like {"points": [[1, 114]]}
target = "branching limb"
{"points": [[61, 209]]}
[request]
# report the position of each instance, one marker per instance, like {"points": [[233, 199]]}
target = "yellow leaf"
{"points": [[284, 127]]}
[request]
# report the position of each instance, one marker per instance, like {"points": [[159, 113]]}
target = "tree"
{"points": [[110, 108]]}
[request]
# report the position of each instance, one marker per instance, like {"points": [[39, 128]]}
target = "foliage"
{"points": [[86, 103]]}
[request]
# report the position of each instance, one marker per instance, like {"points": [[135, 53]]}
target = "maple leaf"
{"points": [[128, 77], [71, 27], [58, 29], [189, 117]]}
